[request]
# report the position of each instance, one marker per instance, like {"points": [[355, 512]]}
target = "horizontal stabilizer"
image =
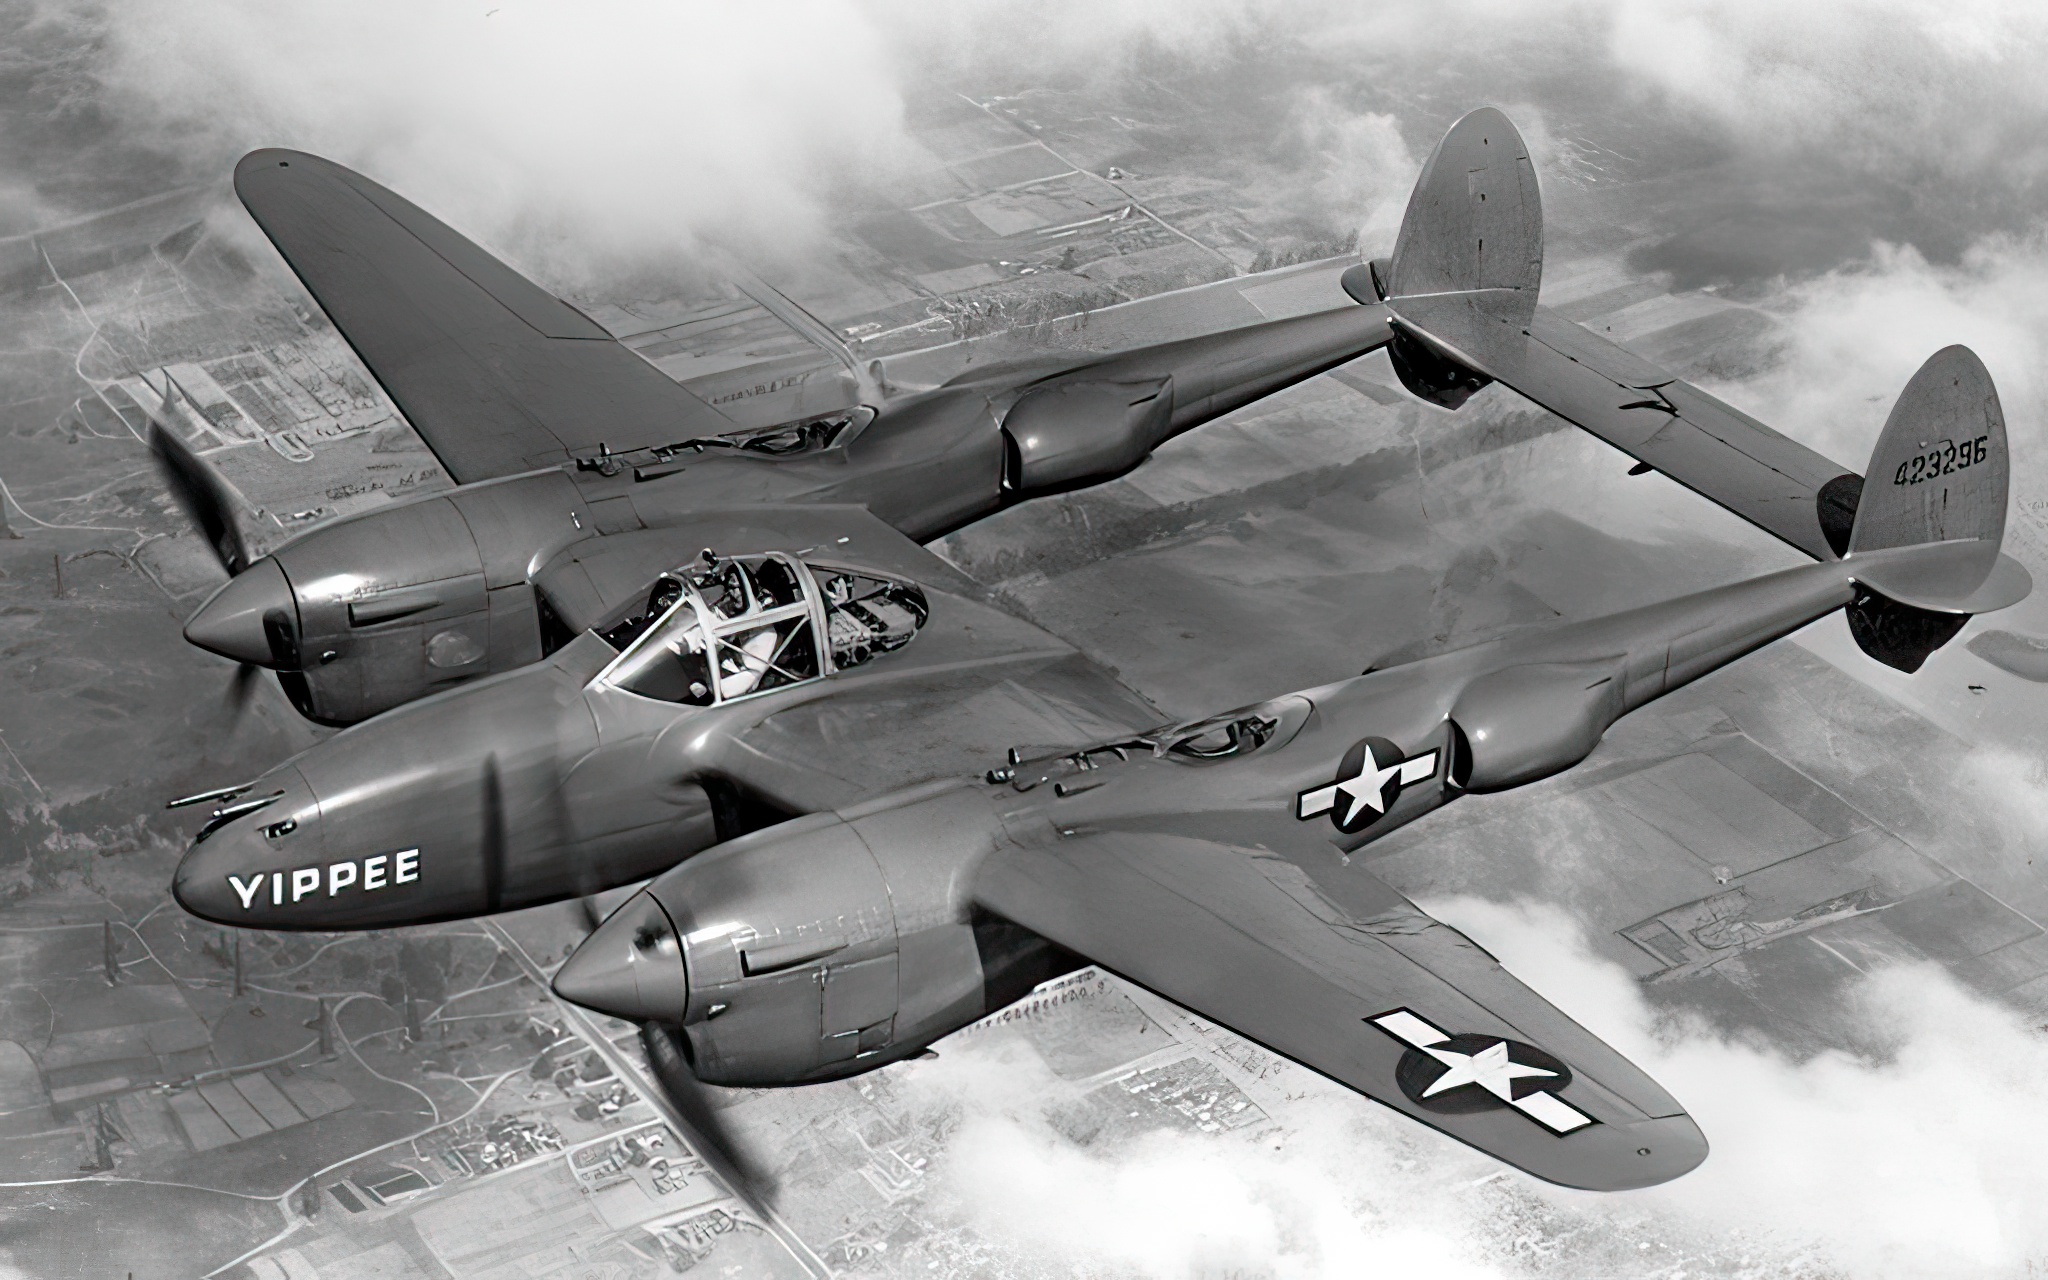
{"points": [[1705, 444], [1966, 576]]}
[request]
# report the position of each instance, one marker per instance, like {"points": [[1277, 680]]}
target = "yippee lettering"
{"points": [[367, 875]]}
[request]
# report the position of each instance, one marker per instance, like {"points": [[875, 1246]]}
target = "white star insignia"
{"points": [[1491, 1069], [1365, 791]]}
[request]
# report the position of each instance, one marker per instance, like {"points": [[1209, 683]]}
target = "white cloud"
{"points": [[1344, 1188], [577, 132], [1923, 1164], [1854, 336], [1366, 168]]}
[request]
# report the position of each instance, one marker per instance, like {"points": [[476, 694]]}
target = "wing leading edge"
{"points": [[1349, 978], [495, 373]]}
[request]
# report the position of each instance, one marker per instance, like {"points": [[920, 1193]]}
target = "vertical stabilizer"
{"points": [[1475, 221], [1938, 472], [1937, 475], [1468, 260]]}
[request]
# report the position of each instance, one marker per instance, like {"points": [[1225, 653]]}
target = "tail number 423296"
{"points": [[1949, 455]]}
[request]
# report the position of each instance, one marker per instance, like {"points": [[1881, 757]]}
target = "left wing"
{"points": [[1347, 977], [496, 374]]}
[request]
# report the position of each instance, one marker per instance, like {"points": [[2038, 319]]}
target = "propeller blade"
{"points": [[492, 842], [710, 1136], [202, 495], [587, 886], [242, 688]]}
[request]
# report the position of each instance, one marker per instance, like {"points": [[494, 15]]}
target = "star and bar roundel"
{"points": [[1461, 1074], [1369, 778]]}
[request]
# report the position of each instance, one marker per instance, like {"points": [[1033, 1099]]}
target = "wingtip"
{"points": [[264, 163], [1620, 1157]]}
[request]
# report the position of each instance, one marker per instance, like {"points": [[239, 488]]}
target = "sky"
{"points": [[1872, 172]]}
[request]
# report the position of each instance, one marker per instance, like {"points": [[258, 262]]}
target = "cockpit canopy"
{"points": [[724, 627]]}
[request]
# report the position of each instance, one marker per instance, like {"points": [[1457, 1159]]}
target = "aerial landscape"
{"points": [[1805, 892]]}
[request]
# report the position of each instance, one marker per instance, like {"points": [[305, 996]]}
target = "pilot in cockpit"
{"points": [[741, 665]]}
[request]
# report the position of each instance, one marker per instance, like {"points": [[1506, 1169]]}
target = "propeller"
{"points": [[241, 688], [491, 842], [494, 840], [202, 495], [667, 1056], [210, 505], [709, 1135]]}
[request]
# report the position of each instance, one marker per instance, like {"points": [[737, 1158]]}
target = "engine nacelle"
{"points": [[1522, 723], [1075, 430], [399, 601], [832, 944], [788, 951]]}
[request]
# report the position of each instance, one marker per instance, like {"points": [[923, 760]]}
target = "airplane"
{"points": [[583, 470], [817, 658]]}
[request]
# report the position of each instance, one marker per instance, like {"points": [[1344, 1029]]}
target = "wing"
{"points": [[1719, 452], [1345, 976], [495, 373]]}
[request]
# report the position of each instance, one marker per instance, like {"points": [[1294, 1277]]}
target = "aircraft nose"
{"points": [[631, 968], [230, 623], [248, 864]]}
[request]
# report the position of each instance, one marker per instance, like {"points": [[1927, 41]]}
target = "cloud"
{"points": [[575, 133], [593, 136], [1951, 86], [1922, 1164], [1365, 167], [1344, 1186], [1855, 334]]}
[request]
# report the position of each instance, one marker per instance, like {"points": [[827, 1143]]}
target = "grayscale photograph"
{"points": [[1019, 639]]}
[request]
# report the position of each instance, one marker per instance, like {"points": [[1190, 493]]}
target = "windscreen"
{"points": [[722, 628], [670, 663]]}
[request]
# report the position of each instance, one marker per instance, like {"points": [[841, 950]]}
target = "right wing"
{"points": [[497, 375], [1345, 976], [1719, 452]]}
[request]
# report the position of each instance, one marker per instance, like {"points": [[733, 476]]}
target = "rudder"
{"points": [[1475, 220], [1939, 471], [1939, 474], [1472, 235]]}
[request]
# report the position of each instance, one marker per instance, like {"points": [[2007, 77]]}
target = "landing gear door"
{"points": [[859, 1008]]}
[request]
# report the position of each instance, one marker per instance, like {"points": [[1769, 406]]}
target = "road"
{"points": [[586, 1029]]}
